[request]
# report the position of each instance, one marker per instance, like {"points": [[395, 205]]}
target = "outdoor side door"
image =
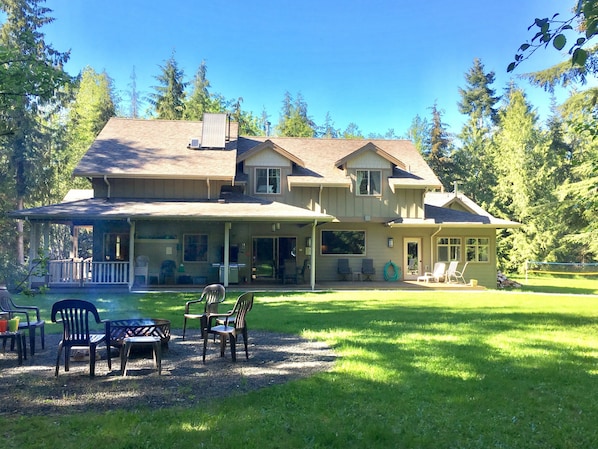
{"points": [[412, 258]]}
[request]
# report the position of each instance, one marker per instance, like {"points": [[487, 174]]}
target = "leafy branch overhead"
{"points": [[558, 33]]}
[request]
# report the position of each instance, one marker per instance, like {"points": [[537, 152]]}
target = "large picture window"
{"points": [[343, 242], [195, 247], [369, 182], [267, 180], [449, 248], [477, 249]]}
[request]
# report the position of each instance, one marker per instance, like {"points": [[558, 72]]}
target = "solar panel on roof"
{"points": [[214, 131]]}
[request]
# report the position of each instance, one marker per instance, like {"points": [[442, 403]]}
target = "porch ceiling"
{"points": [[235, 208]]}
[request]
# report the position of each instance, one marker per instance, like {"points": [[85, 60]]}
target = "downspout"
{"points": [[227, 228], [432, 244], [208, 183], [312, 272], [131, 252], [108, 184]]}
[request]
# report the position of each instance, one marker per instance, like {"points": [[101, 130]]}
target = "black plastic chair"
{"points": [[32, 319], [367, 269], [75, 314], [168, 272], [211, 296], [289, 271], [344, 269], [230, 330]]}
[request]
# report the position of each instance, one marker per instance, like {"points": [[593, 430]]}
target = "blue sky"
{"points": [[377, 63]]}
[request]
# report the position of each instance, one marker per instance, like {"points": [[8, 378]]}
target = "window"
{"points": [[195, 247], [477, 249], [116, 247], [343, 242], [369, 182], [449, 248], [267, 180]]}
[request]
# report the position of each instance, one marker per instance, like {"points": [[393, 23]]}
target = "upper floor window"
{"points": [[477, 249], [449, 248], [369, 182], [267, 180]]}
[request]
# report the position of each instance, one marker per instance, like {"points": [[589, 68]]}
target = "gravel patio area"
{"points": [[32, 389]]}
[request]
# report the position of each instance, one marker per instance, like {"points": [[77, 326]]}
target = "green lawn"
{"points": [[484, 369]]}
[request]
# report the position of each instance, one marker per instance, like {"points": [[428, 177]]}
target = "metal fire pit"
{"points": [[139, 327]]}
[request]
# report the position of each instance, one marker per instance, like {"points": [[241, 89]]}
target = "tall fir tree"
{"points": [[473, 166], [26, 143], [440, 149], [168, 100]]}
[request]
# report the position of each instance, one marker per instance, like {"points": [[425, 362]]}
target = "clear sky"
{"points": [[377, 63]]}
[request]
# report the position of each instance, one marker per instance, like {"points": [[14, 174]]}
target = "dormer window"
{"points": [[267, 180], [369, 182]]}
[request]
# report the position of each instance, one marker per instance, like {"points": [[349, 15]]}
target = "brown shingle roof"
{"points": [[159, 149], [154, 149], [321, 155]]}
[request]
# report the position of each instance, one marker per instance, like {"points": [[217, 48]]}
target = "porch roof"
{"points": [[232, 207], [445, 217]]}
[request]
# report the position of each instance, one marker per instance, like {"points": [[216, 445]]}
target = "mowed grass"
{"points": [[415, 370]]}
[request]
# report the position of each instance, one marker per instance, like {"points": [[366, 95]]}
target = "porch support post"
{"points": [[227, 227], [131, 253], [74, 242], [34, 237], [312, 272]]}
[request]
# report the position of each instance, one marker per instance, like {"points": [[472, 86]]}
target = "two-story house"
{"points": [[182, 202]]}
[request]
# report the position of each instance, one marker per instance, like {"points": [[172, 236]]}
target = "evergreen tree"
{"points": [[93, 106], [135, 101], [352, 131], [200, 100], [294, 121], [419, 134], [169, 99], [473, 165], [440, 148], [523, 180], [328, 131], [26, 144]]}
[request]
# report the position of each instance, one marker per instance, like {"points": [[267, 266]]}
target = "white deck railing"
{"points": [[86, 271]]}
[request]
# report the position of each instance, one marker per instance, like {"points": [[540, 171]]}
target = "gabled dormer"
{"points": [[368, 167], [267, 166]]}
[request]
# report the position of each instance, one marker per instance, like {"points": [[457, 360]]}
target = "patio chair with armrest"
{"points": [[459, 275], [75, 314], [367, 269], [211, 296], [31, 316], [168, 272], [142, 269], [450, 271], [289, 271], [344, 269], [436, 275], [231, 329]]}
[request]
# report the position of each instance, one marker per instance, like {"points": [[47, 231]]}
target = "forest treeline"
{"points": [[542, 174]]}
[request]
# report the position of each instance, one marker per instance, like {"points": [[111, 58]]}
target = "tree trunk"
{"points": [[20, 236]]}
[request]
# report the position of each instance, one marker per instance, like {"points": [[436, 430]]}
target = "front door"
{"points": [[412, 258]]}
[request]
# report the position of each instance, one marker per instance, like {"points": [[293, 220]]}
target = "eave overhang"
{"points": [[237, 208]]}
